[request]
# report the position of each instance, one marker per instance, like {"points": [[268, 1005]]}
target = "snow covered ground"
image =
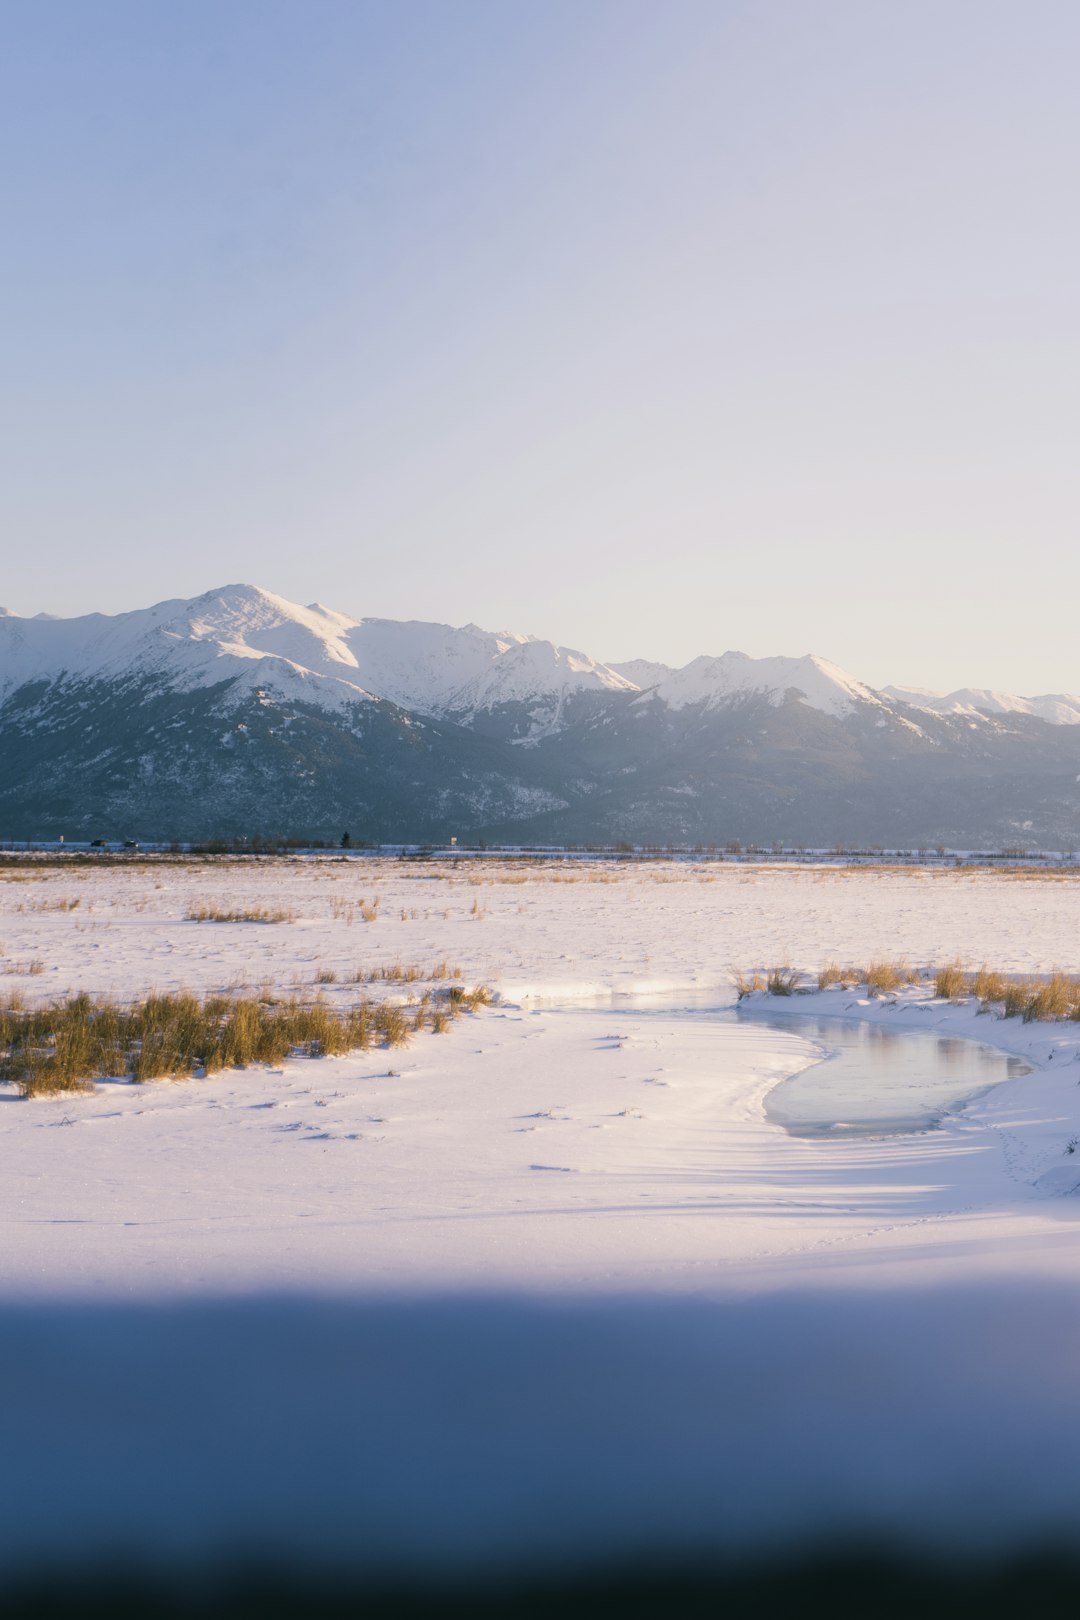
{"points": [[667, 1279], [537, 1142]]}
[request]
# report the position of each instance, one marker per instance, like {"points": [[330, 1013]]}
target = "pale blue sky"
{"points": [[658, 328]]}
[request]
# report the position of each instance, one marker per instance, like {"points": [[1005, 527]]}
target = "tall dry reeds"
{"points": [[239, 914], [782, 981], [951, 982], [69, 1044], [882, 977], [1056, 997], [989, 985]]}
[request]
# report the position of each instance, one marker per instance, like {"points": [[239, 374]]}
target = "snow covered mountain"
{"points": [[712, 682], [1057, 708], [241, 712], [243, 632], [237, 634], [643, 672], [246, 633]]}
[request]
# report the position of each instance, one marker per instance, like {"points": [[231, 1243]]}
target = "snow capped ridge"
{"points": [[242, 629], [441, 670], [211, 638], [715, 681], [537, 670], [642, 672], [422, 666], [243, 621], [249, 636], [512, 638], [1058, 708]]}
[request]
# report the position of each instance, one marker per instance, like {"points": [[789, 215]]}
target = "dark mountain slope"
{"points": [[144, 761]]}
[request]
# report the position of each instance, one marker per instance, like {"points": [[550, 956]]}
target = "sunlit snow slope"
{"points": [[428, 668]]}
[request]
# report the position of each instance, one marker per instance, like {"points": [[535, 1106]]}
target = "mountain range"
{"points": [[238, 713]]}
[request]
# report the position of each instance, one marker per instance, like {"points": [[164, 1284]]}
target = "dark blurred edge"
{"points": [[877, 1588]]}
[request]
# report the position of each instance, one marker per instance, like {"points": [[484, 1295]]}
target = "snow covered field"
{"points": [[534, 1142], [599, 1192]]}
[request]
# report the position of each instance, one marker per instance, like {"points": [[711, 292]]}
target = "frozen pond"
{"points": [[869, 1081], [874, 1081]]}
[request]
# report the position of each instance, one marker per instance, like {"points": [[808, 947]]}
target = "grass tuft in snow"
{"points": [[1056, 997], [1040, 1000], [832, 973], [406, 973], [468, 1000], [746, 983], [251, 914], [951, 982], [782, 981], [1015, 999], [989, 986], [882, 977], [68, 1045]]}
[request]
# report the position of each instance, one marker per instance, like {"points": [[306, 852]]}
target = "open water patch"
{"points": [[875, 1081]]}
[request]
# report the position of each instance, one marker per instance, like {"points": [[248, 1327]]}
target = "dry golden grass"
{"points": [[1033, 999], [951, 982], [1038, 874], [782, 981], [1056, 997], [250, 914], [878, 977], [68, 1045], [746, 983], [406, 973], [458, 997], [390, 973], [989, 986], [831, 973], [882, 977], [1016, 998]]}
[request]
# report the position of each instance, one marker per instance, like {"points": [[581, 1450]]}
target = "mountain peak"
{"points": [[711, 681], [1057, 708]]}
